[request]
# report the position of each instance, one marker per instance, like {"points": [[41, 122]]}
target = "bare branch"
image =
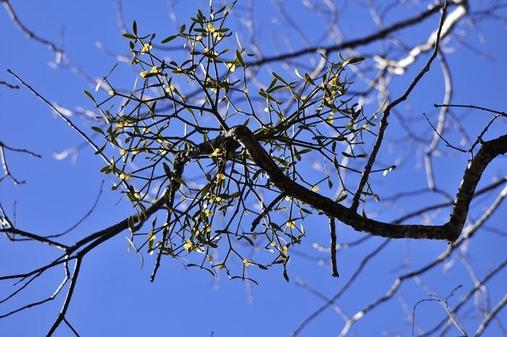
{"points": [[352, 43], [386, 112], [449, 231], [8, 85]]}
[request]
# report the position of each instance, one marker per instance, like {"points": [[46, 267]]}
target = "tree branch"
{"points": [[381, 34], [384, 122], [449, 231]]}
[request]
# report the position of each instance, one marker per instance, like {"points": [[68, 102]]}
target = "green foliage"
{"points": [[220, 212]]}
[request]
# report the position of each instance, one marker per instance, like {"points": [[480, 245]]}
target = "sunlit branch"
{"points": [[387, 110], [470, 231], [352, 43]]}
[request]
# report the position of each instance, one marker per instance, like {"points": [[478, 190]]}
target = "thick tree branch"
{"points": [[332, 234], [449, 231], [473, 173]]}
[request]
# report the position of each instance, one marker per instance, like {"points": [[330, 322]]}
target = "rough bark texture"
{"points": [[449, 231]]}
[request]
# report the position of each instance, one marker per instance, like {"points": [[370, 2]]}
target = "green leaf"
{"points": [[309, 79], [342, 196], [388, 170], [169, 39], [298, 157], [286, 275], [87, 93], [97, 129], [101, 149], [356, 59], [201, 16], [235, 195], [247, 239], [263, 267], [273, 82], [130, 222], [167, 170], [278, 77], [239, 57], [277, 87], [106, 169], [130, 36], [134, 27]]}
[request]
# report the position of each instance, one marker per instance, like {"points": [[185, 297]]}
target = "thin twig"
{"points": [[332, 234]]}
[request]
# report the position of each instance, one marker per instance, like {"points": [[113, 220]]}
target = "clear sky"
{"points": [[114, 296]]}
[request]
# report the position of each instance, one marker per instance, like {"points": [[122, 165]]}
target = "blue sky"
{"points": [[114, 295]]}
